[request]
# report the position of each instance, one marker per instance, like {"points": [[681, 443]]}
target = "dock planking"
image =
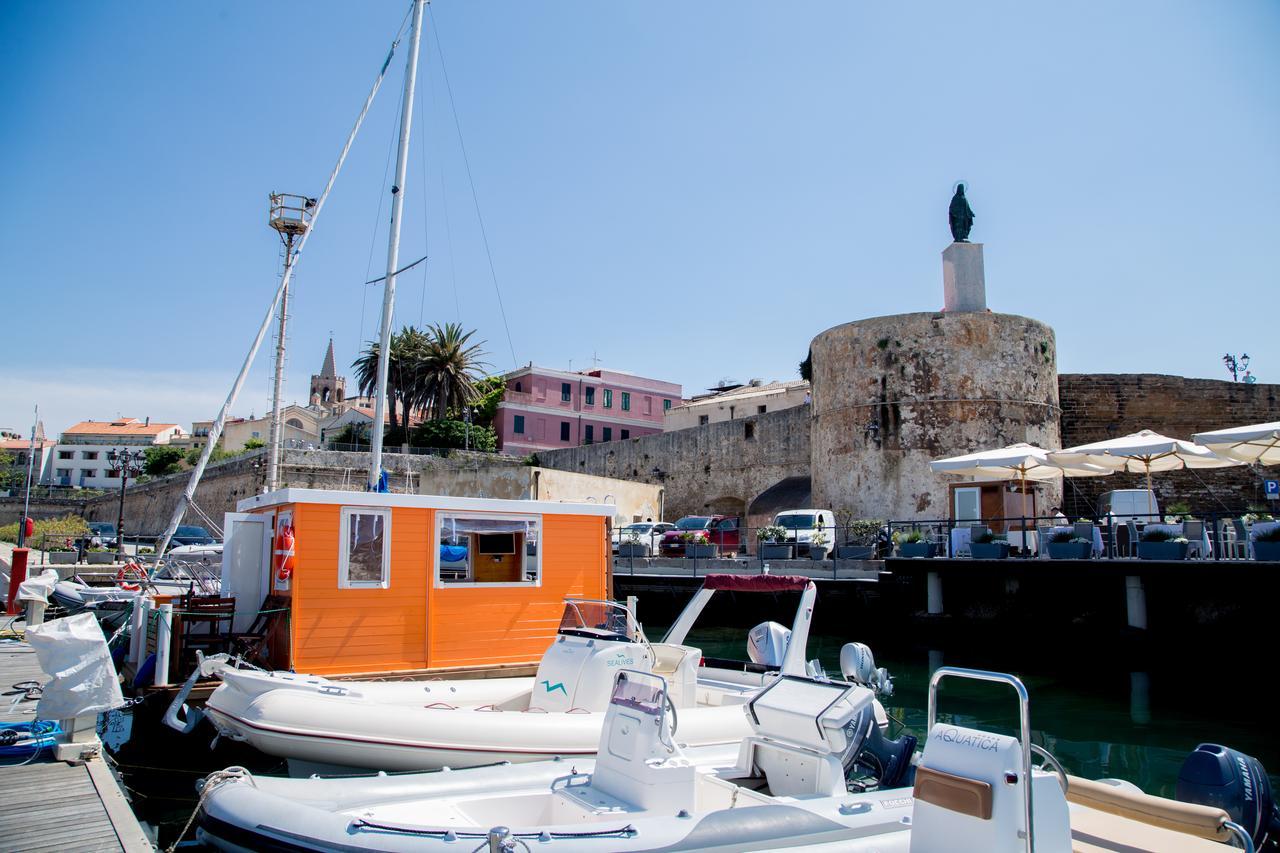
{"points": [[51, 805]]}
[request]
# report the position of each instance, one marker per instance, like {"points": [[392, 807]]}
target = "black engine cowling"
{"points": [[1218, 776]]}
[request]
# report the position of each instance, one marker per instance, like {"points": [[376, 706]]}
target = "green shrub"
{"points": [[453, 434], [67, 527], [1062, 536], [1157, 535]]}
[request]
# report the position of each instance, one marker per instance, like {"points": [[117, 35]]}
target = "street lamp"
{"points": [[1236, 366], [127, 463]]}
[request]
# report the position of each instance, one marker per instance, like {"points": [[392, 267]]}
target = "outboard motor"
{"points": [[767, 644], [858, 665], [887, 761], [1221, 777]]}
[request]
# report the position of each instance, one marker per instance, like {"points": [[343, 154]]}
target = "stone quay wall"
{"points": [[720, 467], [1099, 406], [892, 393]]}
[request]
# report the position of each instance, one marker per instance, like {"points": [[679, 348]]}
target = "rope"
{"points": [[211, 782], [484, 236]]}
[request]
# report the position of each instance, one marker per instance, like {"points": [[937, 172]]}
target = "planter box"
{"points": [[856, 552], [916, 549], [1069, 550], [1266, 551], [1162, 550], [700, 551], [774, 551], [633, 549], [818, 552], [60, 558], [989, 550], [99, 558]]}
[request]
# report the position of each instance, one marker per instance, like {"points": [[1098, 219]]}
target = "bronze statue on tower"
{"points": [[961, 216]]}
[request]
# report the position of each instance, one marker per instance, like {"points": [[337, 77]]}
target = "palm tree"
{"points": [[449, 370], [407, 347]]}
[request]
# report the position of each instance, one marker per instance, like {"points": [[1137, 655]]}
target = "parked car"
{"points": [[802, 524], [102, 534], [189, 534], [721, 530], [1129, 504], [646, 532]]}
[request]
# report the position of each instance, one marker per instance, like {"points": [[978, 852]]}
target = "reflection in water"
{"points": [[1100, 716]]}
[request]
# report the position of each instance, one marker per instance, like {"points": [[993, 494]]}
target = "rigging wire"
{"points": [[373, 236], [448, 230], [426, 222], [444, 69]]}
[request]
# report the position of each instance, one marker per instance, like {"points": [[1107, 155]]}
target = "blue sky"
{"points": [[688, 190]]}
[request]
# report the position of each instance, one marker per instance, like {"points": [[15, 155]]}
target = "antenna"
{"points": [[290, 216]]}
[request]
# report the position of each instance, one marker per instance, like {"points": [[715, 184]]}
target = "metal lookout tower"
{"points": [[290, 216]]}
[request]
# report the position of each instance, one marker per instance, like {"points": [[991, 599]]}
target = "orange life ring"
{"points": [[284, 552], [122, 576]]}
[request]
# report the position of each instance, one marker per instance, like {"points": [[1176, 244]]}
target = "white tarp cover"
{"points": [[37, 588], [82, 679]]}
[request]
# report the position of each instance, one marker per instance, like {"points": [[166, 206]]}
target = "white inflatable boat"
{"points": [[797, 782], [117, 588], [424, 725]]}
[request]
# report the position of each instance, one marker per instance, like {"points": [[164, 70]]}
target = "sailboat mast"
{"points": [[393, 248], [277, 382]]}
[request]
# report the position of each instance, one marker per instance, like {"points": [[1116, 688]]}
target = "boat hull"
{"points": [[423, 725]]}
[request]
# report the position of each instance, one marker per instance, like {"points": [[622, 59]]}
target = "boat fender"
{"points": [[1215, 775]]}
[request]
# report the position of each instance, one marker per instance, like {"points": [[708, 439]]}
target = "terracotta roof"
{"points": [[124, 426], [24, 443]]}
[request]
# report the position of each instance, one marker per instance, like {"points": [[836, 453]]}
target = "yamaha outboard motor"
{"points": [[873, 754], [1217, 776], [767, 644], [858, 665]]}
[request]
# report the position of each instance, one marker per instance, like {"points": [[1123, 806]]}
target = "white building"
{"points": [[733, 402], [80, 458]]}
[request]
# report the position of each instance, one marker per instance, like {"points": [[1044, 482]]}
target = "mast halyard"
{"points": [[393, 250]]}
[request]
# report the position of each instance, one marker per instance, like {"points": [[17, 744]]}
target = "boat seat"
{"points": [[1201, 821], [1096, 831], [679, 666]]}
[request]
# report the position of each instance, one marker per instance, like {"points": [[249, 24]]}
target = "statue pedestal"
{"points": [[964, 283]]}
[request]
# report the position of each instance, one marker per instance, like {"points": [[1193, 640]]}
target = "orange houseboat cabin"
{"points": [[377, 583]]}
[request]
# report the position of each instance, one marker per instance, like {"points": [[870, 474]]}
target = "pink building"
{"points": [[545, 408]]}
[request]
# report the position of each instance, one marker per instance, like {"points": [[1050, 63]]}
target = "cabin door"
{"points": [[246, 564]]}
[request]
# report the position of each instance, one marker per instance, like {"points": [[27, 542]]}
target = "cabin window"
{"points": [[489, 550], [365, 557]]}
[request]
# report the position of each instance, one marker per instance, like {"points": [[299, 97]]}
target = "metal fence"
{"points": [[387, 448], [1206, 536]]}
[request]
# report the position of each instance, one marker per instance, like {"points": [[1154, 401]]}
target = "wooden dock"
{"points": [[52, 805]]}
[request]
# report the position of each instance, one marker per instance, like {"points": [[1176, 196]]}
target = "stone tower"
{"points": [[892, 393], [327, 387]]}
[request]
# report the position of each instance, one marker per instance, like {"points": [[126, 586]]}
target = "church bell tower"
{"points": [[327, 387]]}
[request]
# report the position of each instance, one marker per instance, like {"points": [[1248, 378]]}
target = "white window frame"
{"points": [[442, 515], [344, 536]]}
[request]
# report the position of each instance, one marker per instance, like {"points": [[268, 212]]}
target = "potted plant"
{"points": [[913, 544], [818, 546], [772, 539], [860, 539], [989, 546], [99, 556], [1266, 545], [1063, 545], [631, 545], [697, 543], [1161, 545], [60, 553]]}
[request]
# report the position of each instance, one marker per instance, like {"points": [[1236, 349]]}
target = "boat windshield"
{"points": [[597, 619], [630, 692]]}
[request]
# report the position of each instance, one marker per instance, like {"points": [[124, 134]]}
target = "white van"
{"points": [[1129, 504], [802, 524]]}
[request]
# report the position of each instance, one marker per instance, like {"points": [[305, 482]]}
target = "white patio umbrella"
{"points": [[1021, 461], [1141, 452], [1259, 443]]}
